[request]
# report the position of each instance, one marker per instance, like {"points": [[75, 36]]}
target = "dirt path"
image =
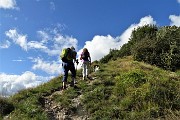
{"points": [[57, 112]]}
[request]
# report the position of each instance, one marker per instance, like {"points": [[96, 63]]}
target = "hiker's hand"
{"points": [[77, 62]]}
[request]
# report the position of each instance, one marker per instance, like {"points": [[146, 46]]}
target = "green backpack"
{"points": [[67, 55]]}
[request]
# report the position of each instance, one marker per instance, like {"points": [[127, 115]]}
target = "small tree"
{"points": [[142, 42], [168, 47]]}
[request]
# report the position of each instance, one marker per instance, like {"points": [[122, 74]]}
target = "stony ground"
{"points": [[57, 112]]}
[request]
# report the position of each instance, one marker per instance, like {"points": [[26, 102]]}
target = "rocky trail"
{"points": [[57, 112]]}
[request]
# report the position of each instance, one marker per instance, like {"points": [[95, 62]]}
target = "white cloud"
{"points": [[11, 84], [36, 45], [44, 36], [175, 20], [50, 42], [52, 67], [8, 4], [101, 45], [52, 6], [17, 38], [55, 41], [62, 42], [18, 60], [127, 33], [178, 1], [6, 44]]}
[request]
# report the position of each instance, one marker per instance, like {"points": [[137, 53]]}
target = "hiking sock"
{"points": [[75, 82], [64, 85]]}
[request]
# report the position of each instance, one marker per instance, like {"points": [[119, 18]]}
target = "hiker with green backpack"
{"points": [[68, 57]]}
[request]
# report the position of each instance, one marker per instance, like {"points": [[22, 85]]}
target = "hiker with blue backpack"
{"points": [[68, 57], [86, 59]]}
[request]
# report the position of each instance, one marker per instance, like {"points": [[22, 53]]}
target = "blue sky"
{"points": [[33, 33]]}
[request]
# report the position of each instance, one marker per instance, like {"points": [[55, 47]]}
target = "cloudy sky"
{"points": [[33, 33]]}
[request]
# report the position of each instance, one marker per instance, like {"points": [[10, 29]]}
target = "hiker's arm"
{"points": [[89, 59], [75, 60]]}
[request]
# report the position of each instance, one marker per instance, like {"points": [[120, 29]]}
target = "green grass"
{"points": [[65, 99], [133, 90], [27, 103], [123, 89]]}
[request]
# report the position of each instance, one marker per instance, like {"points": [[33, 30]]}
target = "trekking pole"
{"points": [[90, 66], [77, 62]]}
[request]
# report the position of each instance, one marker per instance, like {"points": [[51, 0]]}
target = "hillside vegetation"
{"points": [[121, 89], [153, 45]]}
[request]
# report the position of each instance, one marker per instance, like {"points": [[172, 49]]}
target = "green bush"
{"points": [[5, 106], [160, 47], [153, 45]]}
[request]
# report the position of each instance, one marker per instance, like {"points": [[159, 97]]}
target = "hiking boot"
{"points": [[64, 87], [72, 84], [88, 77], [75, 82]]}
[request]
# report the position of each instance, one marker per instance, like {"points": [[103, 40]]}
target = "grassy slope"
{"points": [[128, 89], [123, 89]]}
